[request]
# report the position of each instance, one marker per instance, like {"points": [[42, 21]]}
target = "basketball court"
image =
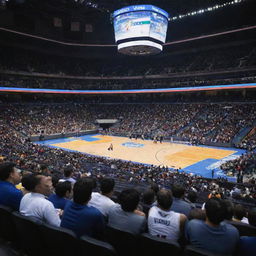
{"points": [[193, 159]]}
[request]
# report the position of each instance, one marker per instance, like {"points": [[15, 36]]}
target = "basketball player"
{"points": [[110, 147]]}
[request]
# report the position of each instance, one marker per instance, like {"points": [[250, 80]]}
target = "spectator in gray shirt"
{"points": [[213, 234], [125, 215], [179, 205]]}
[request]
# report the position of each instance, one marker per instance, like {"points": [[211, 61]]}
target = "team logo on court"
{"points": [[132, 145]]}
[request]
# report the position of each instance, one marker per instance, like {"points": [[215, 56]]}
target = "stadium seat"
{"points": [[151, 245], [7, 251], [58, 241], [192, 251], [243, 228], [125, 243], [29, 235], [7, 227], [92, 246]]}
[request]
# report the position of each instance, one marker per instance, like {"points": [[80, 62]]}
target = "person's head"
{"points": [[198, 214], [41, 184], [82, 191], [215, 210], [148, 196], [252, 216], [178, 190], [229, 209], [129, 199], [68, 172], [239, 212], [192, 196], [154, 187], [64, 189], [8, 172], [45, 170], [107, 185], [27, 181], [55, 180], [164, 199], [91, 180]]}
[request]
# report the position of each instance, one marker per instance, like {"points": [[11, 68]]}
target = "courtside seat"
{"points": [[92, 246], [152, 246]]}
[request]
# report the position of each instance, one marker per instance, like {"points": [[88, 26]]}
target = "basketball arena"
{"points": [[199, 160], [127, 127]]}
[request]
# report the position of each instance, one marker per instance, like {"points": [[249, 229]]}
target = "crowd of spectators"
{"points": [[249, 142], [85, 209], [165, 120], [132, 180], [20, 121], [243, 165], [197, 123], [23, 81], [29, 156], [237, 56], [34, 120], [76, 175], [219, 123]]}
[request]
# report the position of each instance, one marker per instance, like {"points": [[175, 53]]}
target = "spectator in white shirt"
{"points": [[162, 221], [68, 172], [36, 205], [240, 214], [102, 200]]}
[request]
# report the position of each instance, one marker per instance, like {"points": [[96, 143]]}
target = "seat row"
{"points": [[32, 237]]}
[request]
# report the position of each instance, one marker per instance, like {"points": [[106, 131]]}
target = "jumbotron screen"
{"points": [[140, 21]]}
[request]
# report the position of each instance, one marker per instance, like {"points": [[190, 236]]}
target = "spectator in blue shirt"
{"points": [[81, 218], [247, 246], [63, 192], [9, 177]]}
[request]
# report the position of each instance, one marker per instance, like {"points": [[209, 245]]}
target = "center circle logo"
{"points": [[132, 145]]}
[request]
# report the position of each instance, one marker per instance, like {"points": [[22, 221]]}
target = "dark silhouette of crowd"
{"points": [[210, 59]]}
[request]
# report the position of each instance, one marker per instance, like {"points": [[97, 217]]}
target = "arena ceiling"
{"points": [[78, 7], [36, 17], [174, 7]]}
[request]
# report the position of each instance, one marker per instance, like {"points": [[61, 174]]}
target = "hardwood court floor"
{"points": [[144, 151]]}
